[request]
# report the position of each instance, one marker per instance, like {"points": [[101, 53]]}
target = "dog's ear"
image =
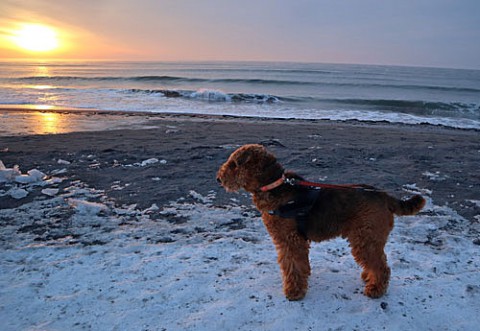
{"points": [[244, 157]]}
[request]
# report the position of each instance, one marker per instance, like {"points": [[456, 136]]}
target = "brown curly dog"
{"points": [[361, 214]]}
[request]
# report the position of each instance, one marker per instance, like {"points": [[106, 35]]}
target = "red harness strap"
{"points": [[321, 185], [297, 182]]}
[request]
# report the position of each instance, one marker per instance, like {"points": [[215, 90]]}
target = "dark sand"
{"points": [[388, 156]]}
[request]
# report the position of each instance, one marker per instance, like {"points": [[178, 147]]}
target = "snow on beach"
{"points": [[71, 259]]}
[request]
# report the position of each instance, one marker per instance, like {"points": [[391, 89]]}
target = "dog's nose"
{"points": [[219, 181]]}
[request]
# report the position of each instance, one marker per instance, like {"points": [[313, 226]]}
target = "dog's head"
{"points": [[249, 167]]}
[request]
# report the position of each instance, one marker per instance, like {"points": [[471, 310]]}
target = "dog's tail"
{"points": [[406, 207]]}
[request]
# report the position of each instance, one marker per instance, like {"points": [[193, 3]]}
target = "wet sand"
{"points": [[106, 149]]}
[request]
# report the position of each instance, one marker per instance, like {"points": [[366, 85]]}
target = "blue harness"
{"points": [[299, 209]]}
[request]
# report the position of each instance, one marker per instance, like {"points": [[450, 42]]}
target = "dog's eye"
{"points": [[232, 165]]}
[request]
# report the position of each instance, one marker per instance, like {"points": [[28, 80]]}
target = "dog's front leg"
{"points": [[292, 251], [295, 266]]}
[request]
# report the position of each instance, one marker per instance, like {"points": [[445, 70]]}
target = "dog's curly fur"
{"points": [[363, 217]]}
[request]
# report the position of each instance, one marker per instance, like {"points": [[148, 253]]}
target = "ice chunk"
{"points": [[151, 209], [50, 191], [58, 171], [17, 193], [33, 176], [8, 174], [86, 207], [149, 162], [437, 176]]}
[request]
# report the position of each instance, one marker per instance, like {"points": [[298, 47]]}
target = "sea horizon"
{"points": [[246, 61]]}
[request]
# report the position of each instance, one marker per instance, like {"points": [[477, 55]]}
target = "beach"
{"points": [[129, 229]]}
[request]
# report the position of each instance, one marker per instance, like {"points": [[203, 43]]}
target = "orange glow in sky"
{"points": [[423, 33], [34, 40]]}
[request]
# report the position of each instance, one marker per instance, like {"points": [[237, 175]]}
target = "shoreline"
{"points": [[98, 145], [85, 119]]}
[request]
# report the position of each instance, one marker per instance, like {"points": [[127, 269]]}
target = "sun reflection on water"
{"points": [[43, 107], [41, 87], [42, 71], [48, 122]]}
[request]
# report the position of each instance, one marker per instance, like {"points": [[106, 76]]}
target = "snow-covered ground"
{"points": [[71, 259]]}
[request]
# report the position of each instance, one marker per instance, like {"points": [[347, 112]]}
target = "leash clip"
{"points": [[290, 181]]}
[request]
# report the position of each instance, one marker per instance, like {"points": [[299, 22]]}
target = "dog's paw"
{"points": [[374, 291], [295, 295]]}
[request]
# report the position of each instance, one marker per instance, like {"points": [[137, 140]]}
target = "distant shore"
{"points": [[394, 157]]}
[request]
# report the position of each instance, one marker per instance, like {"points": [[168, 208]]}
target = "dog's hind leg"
{"points": [[368, 250], [378, 275], [376, 272]]}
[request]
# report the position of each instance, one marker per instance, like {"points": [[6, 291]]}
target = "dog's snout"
{"points": [[219, 180]]}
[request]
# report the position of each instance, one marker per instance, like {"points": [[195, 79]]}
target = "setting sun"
{"points": [[36, 38]]}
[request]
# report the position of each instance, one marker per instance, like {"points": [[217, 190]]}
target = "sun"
{"points": [[36, 38]]}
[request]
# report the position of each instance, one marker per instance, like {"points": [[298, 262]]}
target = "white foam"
{"points": [[273, 111], [220, 103], [210, 95]]}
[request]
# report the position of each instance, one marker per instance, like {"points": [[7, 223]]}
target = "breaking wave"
{"points": [[212, 95]]}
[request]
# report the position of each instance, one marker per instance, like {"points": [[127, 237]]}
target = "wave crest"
{"points": [[212, 95]]}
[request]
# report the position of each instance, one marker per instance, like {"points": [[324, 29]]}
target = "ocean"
{"points": [[413, 95]]}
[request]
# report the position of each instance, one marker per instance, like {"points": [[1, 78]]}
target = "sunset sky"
{"points": [[444, 33]]}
